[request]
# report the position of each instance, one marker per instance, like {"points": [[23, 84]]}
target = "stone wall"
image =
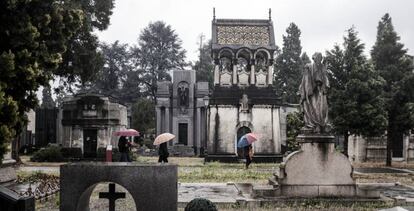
{"points": [[225, 120], [375, 149]]}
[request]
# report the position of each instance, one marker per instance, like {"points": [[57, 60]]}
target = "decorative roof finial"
{"points": [[214, 13], [270, 14]]}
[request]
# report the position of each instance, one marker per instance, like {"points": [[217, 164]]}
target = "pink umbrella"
{"points": [[251, 137], [128, 132]]}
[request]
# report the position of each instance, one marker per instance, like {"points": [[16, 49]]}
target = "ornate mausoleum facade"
{"points": [[244, 99]]}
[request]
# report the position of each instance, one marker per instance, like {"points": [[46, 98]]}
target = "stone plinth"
{"points": [[317, 170], [152, 186]]}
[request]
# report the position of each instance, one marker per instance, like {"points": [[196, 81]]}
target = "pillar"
{"points": [[252, 75], [216, 72], [270, 74], [158, 111], [198, 130], [234, 73], [167, 120]]}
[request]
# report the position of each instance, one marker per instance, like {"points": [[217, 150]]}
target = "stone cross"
{"points": [[112, 196]]}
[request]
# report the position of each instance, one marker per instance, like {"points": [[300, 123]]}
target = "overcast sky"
{"points": [[322, 22]]}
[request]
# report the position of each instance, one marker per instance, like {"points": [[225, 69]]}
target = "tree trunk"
{"points": [[346, 136], [389, 145]]}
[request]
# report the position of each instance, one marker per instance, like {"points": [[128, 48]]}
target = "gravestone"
{"points": [[112, 196], [11, 201], [152, 186], [317, 169]]}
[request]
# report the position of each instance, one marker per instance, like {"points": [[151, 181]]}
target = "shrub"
{"points": [[294, 124], [200, 204], [49, 154], [68, 152]]}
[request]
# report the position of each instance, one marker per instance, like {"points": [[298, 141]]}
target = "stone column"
{"points": [[216, 72], [198, 131], [270, 74], [234, 73], [158, 111], [252, 74], [406, 143], [167, 120]]}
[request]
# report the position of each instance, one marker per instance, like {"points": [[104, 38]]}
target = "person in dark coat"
{"points": [[163, 153], [248, 153], [123, 146]]}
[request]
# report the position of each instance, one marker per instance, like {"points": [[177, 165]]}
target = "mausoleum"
{"points": [[181, 110], [89, 120], [244, 99]]}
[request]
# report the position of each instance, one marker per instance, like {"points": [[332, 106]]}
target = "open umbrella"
{"points": [[128, 132], [246, 140], [163, 138]]}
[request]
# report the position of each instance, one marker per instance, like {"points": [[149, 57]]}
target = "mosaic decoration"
{"points": [[243, 35]]}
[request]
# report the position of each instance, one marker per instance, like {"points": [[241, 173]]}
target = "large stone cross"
{"points": [[112, 196]]}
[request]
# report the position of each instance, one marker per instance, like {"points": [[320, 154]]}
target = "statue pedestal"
{"points": [[317, 170]]}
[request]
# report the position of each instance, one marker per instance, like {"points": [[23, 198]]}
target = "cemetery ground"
{"points": [[217, 181]]}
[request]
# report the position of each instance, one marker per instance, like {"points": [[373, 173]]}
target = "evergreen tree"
{"points": [[143, 115], [204, 66], [392, 63], [116, 61], [305, 59], [33, 37], [47, 100], [289, 65], [82, 60], [159, 51], [356, 106]]}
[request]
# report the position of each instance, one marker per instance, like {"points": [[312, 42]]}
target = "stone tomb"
{"points": [[317, 170], [152, 186]]}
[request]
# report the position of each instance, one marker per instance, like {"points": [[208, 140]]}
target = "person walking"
{"points": [[248, 153], [163, 153], [123, 147]]}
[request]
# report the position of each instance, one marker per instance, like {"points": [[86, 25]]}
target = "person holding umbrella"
{"points": [[123, 146], [248, 153], [163, 153], [163, 149], [245, 142]]}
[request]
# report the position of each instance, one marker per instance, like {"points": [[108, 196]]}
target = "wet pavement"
{"points": [[43, 169], [230, 193], [381, 170]]}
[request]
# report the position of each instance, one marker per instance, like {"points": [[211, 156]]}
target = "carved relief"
{"points": [[244, 103], [183, 96], [261, 78], [243, 78], [225, 71], [243, 35]]}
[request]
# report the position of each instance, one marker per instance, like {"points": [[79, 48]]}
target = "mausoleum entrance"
{"points": [[183, 133], [241, 132], [89, 143]]}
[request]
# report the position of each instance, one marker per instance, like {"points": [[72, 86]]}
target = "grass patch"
{"points": [[195, 170]]}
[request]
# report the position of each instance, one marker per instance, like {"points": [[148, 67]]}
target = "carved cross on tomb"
{"points": [[112, 196]]}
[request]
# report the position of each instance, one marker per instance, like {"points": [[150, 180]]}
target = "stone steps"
{"points": [[272, 181], [265, 191]]}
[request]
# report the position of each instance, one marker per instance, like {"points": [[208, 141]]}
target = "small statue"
{"points": [[183, 96], [225, 64], [313, 90], [244, 103]]}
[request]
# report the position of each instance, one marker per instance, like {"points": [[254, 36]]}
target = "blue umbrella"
{"points": [[243, 142]]}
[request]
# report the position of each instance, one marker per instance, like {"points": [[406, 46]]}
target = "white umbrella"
{"points": [[163, 138]]}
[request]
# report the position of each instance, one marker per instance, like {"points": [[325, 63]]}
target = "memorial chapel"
{"points": [[244, 99]]}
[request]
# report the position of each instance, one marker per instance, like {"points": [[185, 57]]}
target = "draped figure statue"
{"points": [[313, 90]]}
